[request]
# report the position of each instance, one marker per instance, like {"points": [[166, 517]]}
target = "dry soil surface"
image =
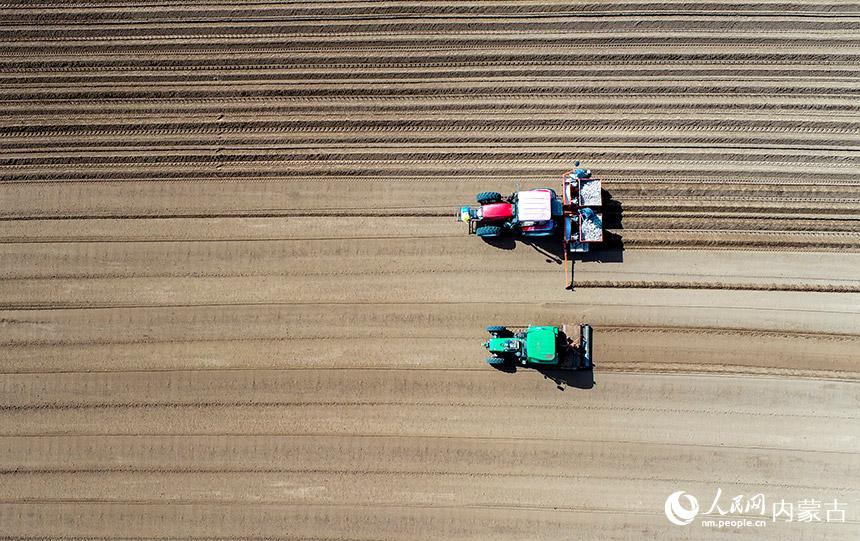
{"points": [[234, 302]]}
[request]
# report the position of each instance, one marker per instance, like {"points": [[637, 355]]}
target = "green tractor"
{"points": [[539, 347]]}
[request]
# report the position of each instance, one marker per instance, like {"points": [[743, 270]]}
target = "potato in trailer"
{"points": [[581, 196]]}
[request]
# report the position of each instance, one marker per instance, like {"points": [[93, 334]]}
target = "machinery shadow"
{"points": [[562, 379], [549, 247], [502, 243], [580, 379], [611, 250]]}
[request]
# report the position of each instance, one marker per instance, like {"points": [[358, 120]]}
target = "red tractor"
{"points": [[541, 213], [532, 213]]}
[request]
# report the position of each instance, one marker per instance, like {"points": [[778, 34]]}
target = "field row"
{"points": [[125, 11], [159, 328]]}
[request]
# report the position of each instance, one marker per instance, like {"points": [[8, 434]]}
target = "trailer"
{"points": [[582, 199]]}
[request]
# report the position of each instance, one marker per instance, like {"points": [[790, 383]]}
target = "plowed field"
{"points": [[235, 303]]}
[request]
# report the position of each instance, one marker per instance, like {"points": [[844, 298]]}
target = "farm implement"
{"points": [[542, 213]]}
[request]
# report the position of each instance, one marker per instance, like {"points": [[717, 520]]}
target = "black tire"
{"points": [[496, 361], [485, 198], [489, 231], [499, 331]]}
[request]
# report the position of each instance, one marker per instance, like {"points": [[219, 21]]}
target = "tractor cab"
{"points": [[534, 205], [535, 215], [541, 345]]}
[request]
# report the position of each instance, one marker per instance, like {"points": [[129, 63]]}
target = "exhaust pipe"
{"points": [[585, 346]]}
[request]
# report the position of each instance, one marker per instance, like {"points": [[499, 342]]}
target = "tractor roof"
{"points": [[541, 344], [534, 206]]}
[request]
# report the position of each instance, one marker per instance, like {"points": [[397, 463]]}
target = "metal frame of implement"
{"points": [[573, 213]]}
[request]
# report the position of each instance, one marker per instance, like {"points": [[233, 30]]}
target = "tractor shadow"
{"points": [[502, 243], [579, 379], [549, 247], [562, 379]]}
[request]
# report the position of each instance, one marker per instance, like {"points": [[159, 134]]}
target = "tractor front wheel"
{"points": [[485, 198], [489, 231], [496, 361]]}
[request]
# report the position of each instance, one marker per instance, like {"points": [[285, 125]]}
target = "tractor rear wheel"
{"points": [[499, 331], [485, 198], [489, 231]]}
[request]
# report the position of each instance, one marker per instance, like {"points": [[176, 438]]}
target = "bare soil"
{"points": [[235, 303]]}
